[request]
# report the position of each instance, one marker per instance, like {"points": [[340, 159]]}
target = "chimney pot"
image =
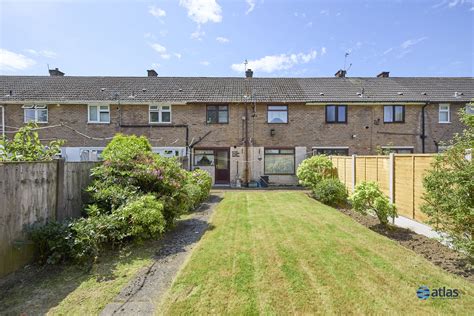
{"points": [[249, 73], [56, 72], [152, 73], [340, 73], [383, 74]]}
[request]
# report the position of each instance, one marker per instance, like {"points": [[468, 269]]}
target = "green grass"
{"points": [[74, 290], [282, 252]]}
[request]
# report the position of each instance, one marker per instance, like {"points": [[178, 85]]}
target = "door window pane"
{"points": [[221, 160]]}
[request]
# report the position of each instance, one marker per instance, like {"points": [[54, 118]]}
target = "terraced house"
{"points": [[239, 129]]}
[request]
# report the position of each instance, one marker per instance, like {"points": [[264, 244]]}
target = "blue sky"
{"points": [[214, 37]]}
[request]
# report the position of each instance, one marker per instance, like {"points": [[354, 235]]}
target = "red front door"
{"points": [[222, 166]]}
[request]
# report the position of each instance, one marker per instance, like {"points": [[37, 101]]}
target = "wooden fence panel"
{"points": [[408, 173]]}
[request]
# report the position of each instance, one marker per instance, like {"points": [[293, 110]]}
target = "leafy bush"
{"points": [[449, 190], [367, 197], [123, 148], [143, 217], [26, 146], [53, 241], [314, 169], [330, 191]]}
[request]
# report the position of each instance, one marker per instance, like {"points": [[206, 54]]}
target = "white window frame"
{"points": [[158, 108], [448, 110], [412, 148], [99, 110], [35, 107]]}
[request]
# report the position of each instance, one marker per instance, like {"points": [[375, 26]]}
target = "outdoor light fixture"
{"points": [[272, 132]]}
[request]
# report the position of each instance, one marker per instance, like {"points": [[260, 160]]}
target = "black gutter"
{"points": [[423, 136]]}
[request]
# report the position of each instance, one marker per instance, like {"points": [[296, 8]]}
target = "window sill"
{"points": [[159, 123], [98, 123], [444, 122], [394, 122], [36, 122], [340, 123]]}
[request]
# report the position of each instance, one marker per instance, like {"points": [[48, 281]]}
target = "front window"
{"points": [[279, 161], [35, 113], [217, 114], [277, 114], [331, 151], [336, 113], [394, 113], [91, 154], [203, 157], [444, 116], [160, 113], [99, 114]]}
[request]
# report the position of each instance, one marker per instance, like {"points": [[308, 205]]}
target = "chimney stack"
{"points": [[383, 74], [249, 73], [152, 73], [55, 72], [340, 73]]}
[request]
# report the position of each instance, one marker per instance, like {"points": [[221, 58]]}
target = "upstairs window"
{"points": [[444, 115], [279, 161], [277, 114], [35, 113], [217, 114], [160, 113], [99, 114], [336, 113], [394, 113]]}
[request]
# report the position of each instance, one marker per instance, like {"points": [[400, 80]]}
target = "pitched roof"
{"points": [[234, 89]]}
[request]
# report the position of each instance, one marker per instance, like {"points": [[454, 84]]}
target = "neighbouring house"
{"points": [[240, 128]]}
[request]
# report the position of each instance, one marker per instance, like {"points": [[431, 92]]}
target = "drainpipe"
{"points": [[423, 135], [3, 121], [246, 144]]}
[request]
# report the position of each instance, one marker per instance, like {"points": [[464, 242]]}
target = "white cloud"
{"points": [[203, 11], [251, 4], [157, 12], [163, 33], [273, 63], [198, 34], [205, 63], [411, 42], [387, 51], [44, 53], [222, 40], [165, 56], [155, 65], [12, 61], [158, 48], [324, 12], [309, 24], [177, 55], [323, 51]]}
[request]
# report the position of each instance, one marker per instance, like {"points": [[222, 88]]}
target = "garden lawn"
{"points": [[283, 252]]}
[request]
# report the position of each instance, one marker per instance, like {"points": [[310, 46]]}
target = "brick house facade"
{"points": [[244, 145]]}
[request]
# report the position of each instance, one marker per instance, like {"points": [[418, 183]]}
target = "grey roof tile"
{"points": [[234, 89]]}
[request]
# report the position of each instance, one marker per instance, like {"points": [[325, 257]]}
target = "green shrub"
{"points": [[143, 217], [449, 190], [26, 146], [367, 197], [123, 148], [330, 191], [53, 241], [312, 170], [109, 196]]}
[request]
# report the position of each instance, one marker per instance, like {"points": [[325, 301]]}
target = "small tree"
{"points": [[368, 197], [449, 189], [26, 146]]}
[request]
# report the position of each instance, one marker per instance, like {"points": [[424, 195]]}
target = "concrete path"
{"points": [[421, 229], [142, 294]]}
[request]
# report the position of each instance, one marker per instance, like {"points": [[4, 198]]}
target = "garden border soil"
{"points": [[431, 249]]}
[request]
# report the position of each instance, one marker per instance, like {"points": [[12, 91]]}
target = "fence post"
{"points": [[353, 172], [391, 179], [59, 188]]}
